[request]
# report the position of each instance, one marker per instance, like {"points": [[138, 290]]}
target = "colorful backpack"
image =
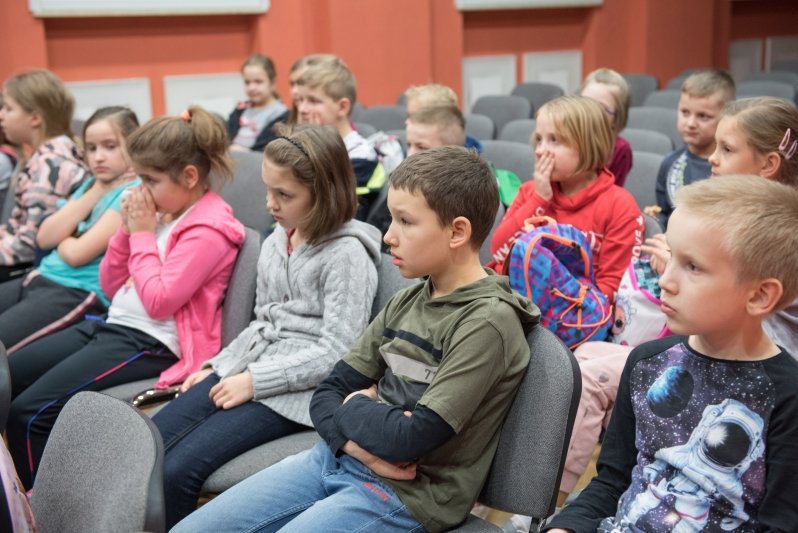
{"points": [[638, 317], [552, 265]]}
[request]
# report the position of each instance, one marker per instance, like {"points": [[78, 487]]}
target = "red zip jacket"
{"points": [[607, 214]]}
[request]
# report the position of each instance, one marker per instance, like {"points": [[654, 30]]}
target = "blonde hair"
{"points": [[42, 92], [312, 60], [431, 94], [582, 124], [334, 78], [756, 220], [448, 119], [169, 144], [619, 89], [765, 122], [317, 157], [705, 83]]}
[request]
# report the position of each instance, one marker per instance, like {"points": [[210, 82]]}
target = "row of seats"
{"points": [[491, 115]]}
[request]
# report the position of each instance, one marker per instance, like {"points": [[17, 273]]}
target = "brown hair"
{"points": [[755, 220], [123, 119], [42, 92], [266, 63], [317, 157], [449, 121], [765, 122], [334, 78], [705, 83], [169, 144], [582, 124], [455, 182], [619, 89]]}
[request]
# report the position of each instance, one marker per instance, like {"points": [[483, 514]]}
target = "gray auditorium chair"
{"points": [[642, 179], [237, 308], [384, 117], [656, 119], [640, 85], [246, 193], [789, 65], [357, 109], [389, 282], [364, 128], [652, 226], [676, 83], [669, 99], [648, 141], [102, 469], [525, 475], [479, 126], [484, 250], [777, 89], [5, 388], [519, 131], [502, 108], [401, 99], [538, 93], [507, 155], [782, 76]]}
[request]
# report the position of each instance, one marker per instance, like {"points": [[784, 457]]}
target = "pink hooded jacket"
{"points": [[190, 284]]}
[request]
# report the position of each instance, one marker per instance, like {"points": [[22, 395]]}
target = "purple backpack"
{"points": [[552, 265]]}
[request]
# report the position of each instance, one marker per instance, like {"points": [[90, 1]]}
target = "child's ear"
{"points": [[771, 166], [765, 296], [461, 232], [36, 120], [344, 107], [190, 176]]}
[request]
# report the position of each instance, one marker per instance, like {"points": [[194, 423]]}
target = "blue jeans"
{"points": [[310, 491], [199, 438]]}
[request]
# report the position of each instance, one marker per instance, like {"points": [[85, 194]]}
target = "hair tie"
{"points": [[292, 141], [785, 148], [185, 116]]}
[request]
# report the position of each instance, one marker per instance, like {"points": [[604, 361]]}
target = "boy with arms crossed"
{"points": [[411, 415]]}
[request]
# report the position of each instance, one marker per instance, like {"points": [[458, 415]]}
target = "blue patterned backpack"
{"points": [[552, 265]]}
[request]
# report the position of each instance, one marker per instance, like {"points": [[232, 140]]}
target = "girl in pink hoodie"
{"points": [[166, 269]]}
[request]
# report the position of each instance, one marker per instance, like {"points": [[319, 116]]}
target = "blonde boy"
{"points": [[703, 96], [433, 127], [704, 433], [424, 390], [326, 93]]}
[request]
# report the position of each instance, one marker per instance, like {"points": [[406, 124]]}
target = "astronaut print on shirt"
{"points": [[700, 433]]}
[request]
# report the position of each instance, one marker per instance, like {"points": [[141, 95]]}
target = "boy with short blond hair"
{"points": [[433, 127], [703, 96], [704, 433], [411, 415], [326, 93]]}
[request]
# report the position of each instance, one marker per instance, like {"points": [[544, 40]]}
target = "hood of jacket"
{"points": [[603, 182]]}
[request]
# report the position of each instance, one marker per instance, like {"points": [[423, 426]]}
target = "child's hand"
{"points": [[657, 248], [370, 393], [543, 168], [381, 467], [195, 378], [652, 210], [232, 391], [140, 210]]}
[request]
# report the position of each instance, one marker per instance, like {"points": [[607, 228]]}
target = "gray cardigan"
{"points": [[310, 308]]}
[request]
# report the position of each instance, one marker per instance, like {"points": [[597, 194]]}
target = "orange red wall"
{"points": [[388, 44]]}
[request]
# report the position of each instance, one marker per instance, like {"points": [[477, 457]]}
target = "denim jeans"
{"points": [[199, 438], [310, 491]]}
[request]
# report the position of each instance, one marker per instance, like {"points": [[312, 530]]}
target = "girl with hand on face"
{"points": [[66, 285], [166, 270]]}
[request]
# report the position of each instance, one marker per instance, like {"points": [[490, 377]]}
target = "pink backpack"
{"points": [[638, 317]]}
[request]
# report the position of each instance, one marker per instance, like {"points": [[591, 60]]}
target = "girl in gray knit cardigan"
{"points": [[317, 279]]}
